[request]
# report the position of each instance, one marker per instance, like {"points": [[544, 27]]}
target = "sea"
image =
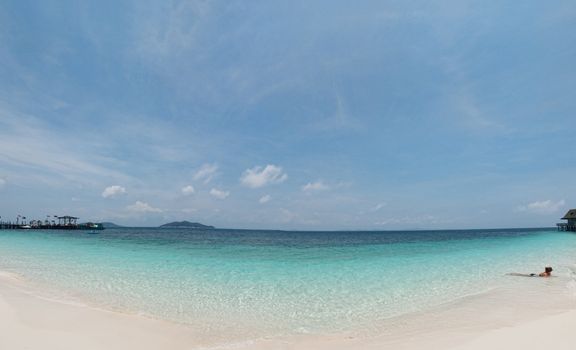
{"points": [[234, 286]]}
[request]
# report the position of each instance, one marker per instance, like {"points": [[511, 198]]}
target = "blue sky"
{"points": [[289, 114]]}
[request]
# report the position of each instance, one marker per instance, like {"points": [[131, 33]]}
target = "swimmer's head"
{"points": [[548, 269]]}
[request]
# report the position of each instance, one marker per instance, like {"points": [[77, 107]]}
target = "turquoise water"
{"points": [[234, 285]]}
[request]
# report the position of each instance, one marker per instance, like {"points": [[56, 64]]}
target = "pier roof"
{"points": [[571, 214]]}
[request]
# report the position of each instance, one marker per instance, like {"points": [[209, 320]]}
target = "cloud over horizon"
{"points": [[188, 190], [315, 186], [113, 191], [219, 194], [143, 207], [263, 176], [206, 173], [265, 199]]}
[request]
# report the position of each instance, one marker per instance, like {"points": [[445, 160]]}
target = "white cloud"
{"points": [[113, 191], [188, 190], [265, 199], [378, 206], [259, 177], [315, 186], [206, 173], [542, 207], [143, 207], [219, 193]]}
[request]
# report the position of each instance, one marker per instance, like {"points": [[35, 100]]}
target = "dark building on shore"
{"points": [[570, 225]]}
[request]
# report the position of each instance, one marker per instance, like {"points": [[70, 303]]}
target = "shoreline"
{"points": [[30, 321]]}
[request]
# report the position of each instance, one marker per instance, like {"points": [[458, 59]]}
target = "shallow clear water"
{"points": [[234, 285]]}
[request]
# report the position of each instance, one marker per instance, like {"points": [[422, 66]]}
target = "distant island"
{"points": [[110, 225], [186, 224]]}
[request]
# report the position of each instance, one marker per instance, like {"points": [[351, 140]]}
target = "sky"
{"points": [[307, 115]]}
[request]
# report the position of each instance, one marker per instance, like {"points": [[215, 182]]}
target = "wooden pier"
{"points": [[50, 223], [565, 227], [8, 226]]}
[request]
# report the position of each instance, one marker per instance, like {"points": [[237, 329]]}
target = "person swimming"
{"points": [[547, 273]]}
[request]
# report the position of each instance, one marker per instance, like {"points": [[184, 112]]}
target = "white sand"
{"points": [[553, 333], [30, 322]]}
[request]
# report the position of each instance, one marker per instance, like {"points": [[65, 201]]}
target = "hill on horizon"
{"points": [[111, 225], [185, 224]]}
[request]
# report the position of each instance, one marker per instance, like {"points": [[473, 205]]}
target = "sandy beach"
{"points": [[552, 332], [28, 321], [31, 322]]}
